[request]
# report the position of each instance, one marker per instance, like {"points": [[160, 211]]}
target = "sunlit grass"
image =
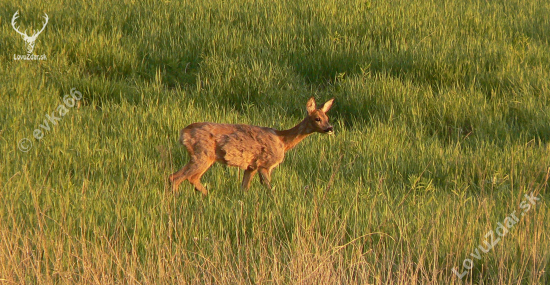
{"points": [[441, 119]]}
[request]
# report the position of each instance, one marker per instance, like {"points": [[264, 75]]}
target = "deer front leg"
{"points": [[265, 177], [248, 174]]}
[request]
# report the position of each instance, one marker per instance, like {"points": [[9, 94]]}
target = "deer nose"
{"points": [[329, 129]]}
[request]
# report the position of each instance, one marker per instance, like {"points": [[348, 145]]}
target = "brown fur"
{"points": [[254, 149]]}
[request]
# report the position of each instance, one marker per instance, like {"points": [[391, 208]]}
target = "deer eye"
{"points": [[317, 119]]}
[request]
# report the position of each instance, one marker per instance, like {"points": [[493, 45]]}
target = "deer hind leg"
{"points": [[265, 177], [195, 173], [248, 174], [180, 173], [192, 171], [178, 177]]}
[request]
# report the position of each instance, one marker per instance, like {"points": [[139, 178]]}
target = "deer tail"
{"points": [[182, 137]]}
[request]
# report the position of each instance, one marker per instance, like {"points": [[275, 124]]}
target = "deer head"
{"points": [[317, 118], [29, 41]]}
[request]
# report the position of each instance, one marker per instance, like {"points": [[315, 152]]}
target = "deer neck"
{"points": [[292, 137]]}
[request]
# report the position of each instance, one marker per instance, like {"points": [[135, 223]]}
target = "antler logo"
{"points": [[29, 41]]}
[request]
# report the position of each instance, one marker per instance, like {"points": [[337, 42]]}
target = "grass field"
{"points": [[442, 121]]}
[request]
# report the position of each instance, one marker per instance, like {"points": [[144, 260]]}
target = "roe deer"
{"points": [[254, 149]]}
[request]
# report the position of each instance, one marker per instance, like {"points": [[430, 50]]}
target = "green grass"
{"points": [[442, 119]]}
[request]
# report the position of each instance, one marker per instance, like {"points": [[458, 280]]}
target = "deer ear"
{"points": [[327, 105], [310, 106]]}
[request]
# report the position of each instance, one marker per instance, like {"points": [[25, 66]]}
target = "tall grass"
{"points": [[442, 118]]}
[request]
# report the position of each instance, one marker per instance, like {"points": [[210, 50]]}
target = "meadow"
{"points": [[442, 127]]}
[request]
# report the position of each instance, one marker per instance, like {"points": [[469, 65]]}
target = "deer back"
{"points": [[243, 146]]}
